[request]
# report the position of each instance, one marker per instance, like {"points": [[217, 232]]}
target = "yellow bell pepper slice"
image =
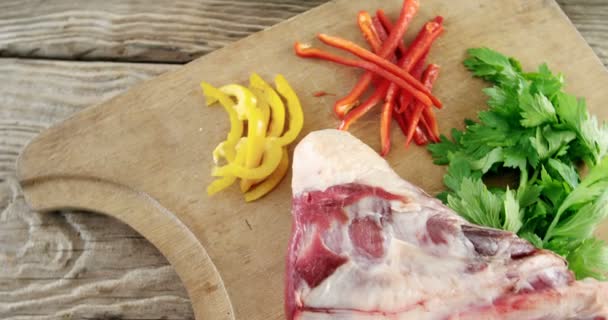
{"points": [[226, 148], [224, 182], [265, 110], [272, 157], [245, 99], [256, 138], [277, 121], [296, 115], [271, 182], [262, 104]]}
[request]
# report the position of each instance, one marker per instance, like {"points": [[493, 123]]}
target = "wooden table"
{"points": [[59, 56]]}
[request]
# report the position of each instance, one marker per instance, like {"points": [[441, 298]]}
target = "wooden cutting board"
{"points": [[145, 157]]}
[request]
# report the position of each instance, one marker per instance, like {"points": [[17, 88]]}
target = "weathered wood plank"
{"points": [[71, 265], [590, 18], [158, 30], [178, 31]]}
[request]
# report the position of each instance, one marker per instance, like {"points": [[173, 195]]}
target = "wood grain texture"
{"points": [[179, 31], [159, 30], [82, 266], [590, 18], [149, 149], [68, 265]]}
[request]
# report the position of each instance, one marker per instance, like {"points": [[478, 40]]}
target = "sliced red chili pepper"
{"points": [[422, 43], [355, 49], [385, 128], [318, 94], [416, 72], [368, 30], [413, 61], [418, 49], [428, 78], [420, 137], [387, 24], [408, 11], [371, 35], [309, 52], [430, 121], [362, 109]]}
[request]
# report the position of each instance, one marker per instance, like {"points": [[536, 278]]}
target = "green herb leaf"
{"points": [[512, 213], [582, 223], [476, 203], [589, 259]]}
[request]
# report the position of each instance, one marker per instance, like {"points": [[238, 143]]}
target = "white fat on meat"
{"points": [[367, 244]]}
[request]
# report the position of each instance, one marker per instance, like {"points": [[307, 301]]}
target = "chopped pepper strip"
{"points": [[408, 11], [262, 104], [428, 78], [224, 182], [308, 52], [377, 60], [416, 71], [256, 137], [271, 182], [277, 121], [272, 157], [387, 26], [362, 109], [226, 148], [244, 97], [296, 115], [369, 33]]}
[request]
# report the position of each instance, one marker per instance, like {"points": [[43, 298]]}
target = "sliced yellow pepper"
{"points": [[262, 104], [277, 121], [258, 124], [272, 157], [244, 98], [227, 148], [224, 182], [271, 182], [296, 115], [256, 138], [261, 159]]}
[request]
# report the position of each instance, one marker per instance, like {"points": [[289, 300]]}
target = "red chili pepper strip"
{"points": [[369, 33], [429, 119], [419, 136], [408, 11], [309, 52], [380, 30], [385, 128], [411, 58], [416, 71], [381, 62], [387, 25], [425, 38], [362, 109], [418, 49], [428, 78]]}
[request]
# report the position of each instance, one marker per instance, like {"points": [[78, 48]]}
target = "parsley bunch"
{"points": [[536, 130]]}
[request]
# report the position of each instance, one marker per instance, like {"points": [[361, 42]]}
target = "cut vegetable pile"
{"points": [[260, 157], [402, 82], [542, 133]]}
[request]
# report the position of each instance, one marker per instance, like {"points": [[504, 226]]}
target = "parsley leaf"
{"points": [[512, 212], [476, 203], [536, 110], [589, 259], [536, 128]]}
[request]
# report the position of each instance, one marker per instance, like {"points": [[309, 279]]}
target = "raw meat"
{"points": [[368, 245]]}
